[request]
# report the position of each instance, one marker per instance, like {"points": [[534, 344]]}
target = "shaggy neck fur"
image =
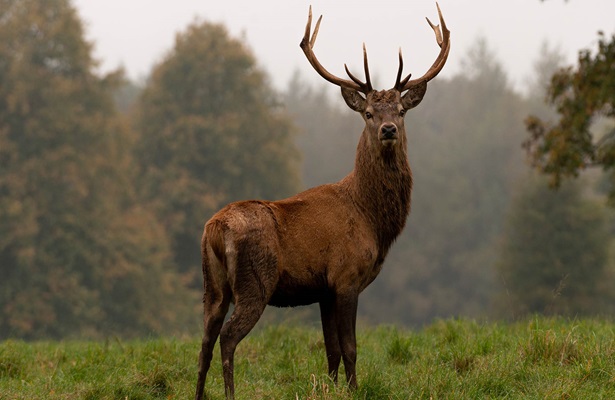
{"points": [[380, 185]]}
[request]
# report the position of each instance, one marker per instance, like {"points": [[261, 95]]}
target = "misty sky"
{"points": [[136, 34]]}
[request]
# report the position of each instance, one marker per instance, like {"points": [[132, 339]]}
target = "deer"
{"points": [[324, 245]]}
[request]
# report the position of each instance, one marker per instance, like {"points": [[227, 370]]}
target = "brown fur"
{"points": [[324, 245]]}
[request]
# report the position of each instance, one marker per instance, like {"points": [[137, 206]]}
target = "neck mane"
{"points": [[381, 185]]}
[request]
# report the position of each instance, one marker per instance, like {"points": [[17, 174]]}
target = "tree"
{"points": [[328, 133], [580, 96], [550, 60], [211, 132], [554, 254], [78, 255]]}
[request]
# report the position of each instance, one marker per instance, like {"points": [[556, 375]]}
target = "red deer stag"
{"points": [[324, 245]]}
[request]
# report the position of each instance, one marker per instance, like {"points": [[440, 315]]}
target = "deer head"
{"points": [[383, 111]]}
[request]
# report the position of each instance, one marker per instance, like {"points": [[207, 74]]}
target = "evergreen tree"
{"points": [[78, 255], [211, 132], [328, 135], [554, 254]]}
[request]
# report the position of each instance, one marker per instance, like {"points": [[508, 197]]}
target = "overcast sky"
{"points": [[136, 34]]}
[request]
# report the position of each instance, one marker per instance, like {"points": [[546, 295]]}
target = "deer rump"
{"points": [[292, 252]]}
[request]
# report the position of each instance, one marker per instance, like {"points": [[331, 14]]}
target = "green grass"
{"points": [[452, 359]]}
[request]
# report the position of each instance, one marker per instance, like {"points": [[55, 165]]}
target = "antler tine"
{"points": [[400, 84], [436, 29], [316, 28], [367, 85], [307, 45], [368, 80], [354, 78], [443, 40]]}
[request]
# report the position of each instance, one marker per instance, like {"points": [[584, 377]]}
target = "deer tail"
{"points": [[214, 236]]}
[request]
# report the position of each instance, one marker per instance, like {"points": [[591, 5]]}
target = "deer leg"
{"points": [[243, 319], [255, 276], [332, 343], [214, 312], [346, 318]]}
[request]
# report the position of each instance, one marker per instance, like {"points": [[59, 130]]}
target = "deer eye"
{"points": [[402, 113], [368, 115]]}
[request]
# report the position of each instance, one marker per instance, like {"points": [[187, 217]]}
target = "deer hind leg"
{"points": [[242, 321], [213, 320], [332, 342], [255, 272], [216, 300]]}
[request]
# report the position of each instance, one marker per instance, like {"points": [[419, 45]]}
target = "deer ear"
{"points": [[354, 100], [414, 95]]}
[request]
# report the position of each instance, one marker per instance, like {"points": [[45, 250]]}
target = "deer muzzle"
{"points": [[388, 134]]}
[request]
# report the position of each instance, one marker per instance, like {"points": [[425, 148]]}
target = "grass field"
{"points": [[452, 359]]}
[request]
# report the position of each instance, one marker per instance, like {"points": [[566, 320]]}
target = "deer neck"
{"points": [[380, 185]]}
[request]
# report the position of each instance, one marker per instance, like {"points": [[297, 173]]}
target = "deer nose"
{"points": [[389, 131]]}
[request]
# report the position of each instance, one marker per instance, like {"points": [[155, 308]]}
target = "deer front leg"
{"points": [[332, 343], [346, 318]]}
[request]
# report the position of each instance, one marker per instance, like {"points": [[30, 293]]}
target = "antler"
{"points": [[307, 45], [443, 40]]}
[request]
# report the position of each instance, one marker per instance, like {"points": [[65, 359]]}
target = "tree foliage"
{"points": [[101, 210], [74, 256], [211, 132], [580, 95], [329, 132], [554, 256]]}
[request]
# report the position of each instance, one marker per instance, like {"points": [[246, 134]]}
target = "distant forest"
{"points": [[105, 185]]}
